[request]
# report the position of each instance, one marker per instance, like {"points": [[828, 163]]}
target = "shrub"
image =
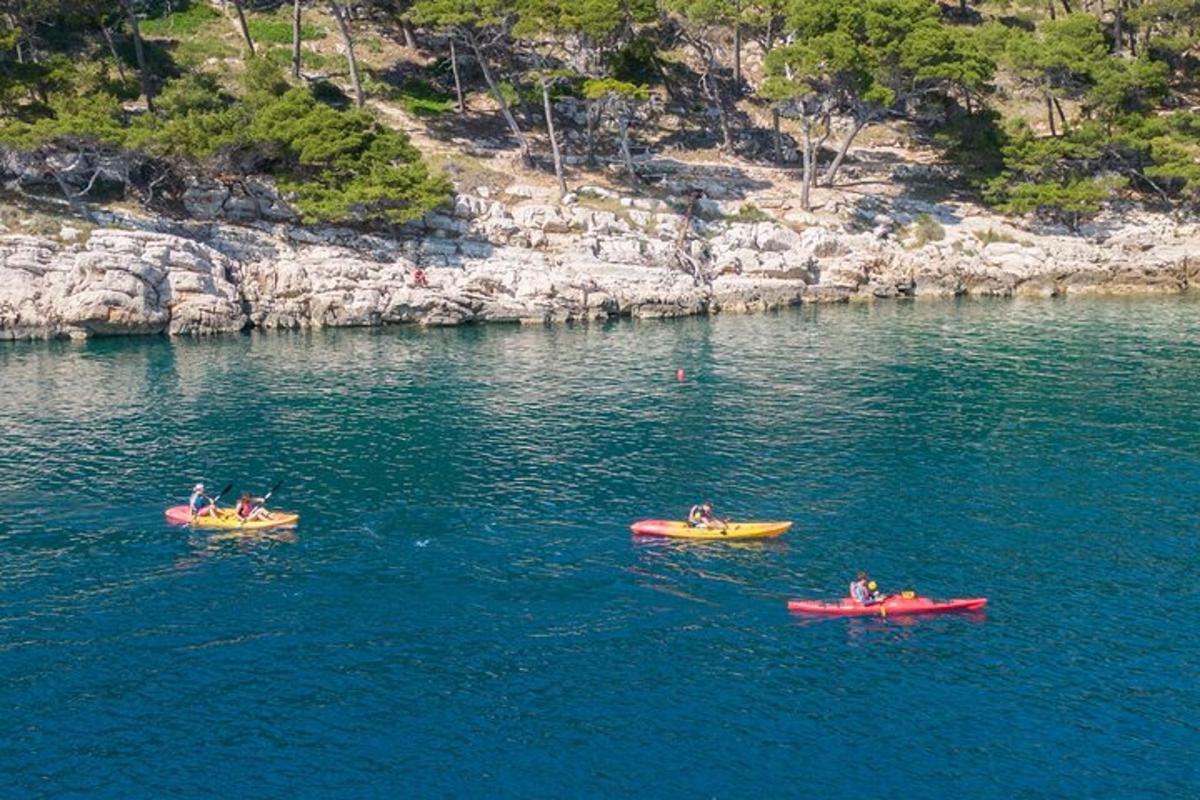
{"points": [[637, 62], [196, 91], [274, 30], [926, 229], [423, 98], [185, 20], [992, 236], [749, 214]]}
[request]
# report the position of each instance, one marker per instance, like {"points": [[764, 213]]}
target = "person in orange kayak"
{"points": [[701, 516], [200, 504], [247, 509]]}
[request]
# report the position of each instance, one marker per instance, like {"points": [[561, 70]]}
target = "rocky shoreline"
{"points": [[525, 258]]}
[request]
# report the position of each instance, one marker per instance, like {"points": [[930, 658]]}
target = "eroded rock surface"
{"points": [[540, 261]]}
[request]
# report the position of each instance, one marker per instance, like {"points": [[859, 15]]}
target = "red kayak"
{"points": [[894, 605]]}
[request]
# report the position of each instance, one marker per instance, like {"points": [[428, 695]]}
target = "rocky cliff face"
{"points": [[531, 260]]}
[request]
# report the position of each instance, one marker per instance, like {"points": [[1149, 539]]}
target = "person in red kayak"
{"points": [[863, 590], [201, 505], [247, 509], [701, 516]]}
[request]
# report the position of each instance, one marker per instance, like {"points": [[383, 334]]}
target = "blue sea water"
{"points": [[463, 612]]}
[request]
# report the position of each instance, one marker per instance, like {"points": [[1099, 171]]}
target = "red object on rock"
{"points": [[419, 278]]}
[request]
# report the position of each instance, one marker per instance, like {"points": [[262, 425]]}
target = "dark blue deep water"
{"points": [[462, 611]]}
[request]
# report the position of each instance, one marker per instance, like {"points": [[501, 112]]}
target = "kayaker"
{"points": [[863, 590], [248, 510], [201, 505], [701, 516]]}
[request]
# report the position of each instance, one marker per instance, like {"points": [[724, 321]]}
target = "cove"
{"points": [[463, 611]]}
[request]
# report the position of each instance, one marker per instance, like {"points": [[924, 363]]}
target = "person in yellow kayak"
{"points": [[200, 504], [701, 516], [248, 508]]}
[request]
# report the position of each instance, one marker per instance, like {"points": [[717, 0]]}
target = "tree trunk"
{"points": [[457, 81], [1050, 115], [558, 167], [241, 18], [1067, 7], [1118, 27], [962, 7], [737, 46], [1058, 107], [339, 16], [623, 124], [835, 165], [410, 39], [296, 30], [112, 49], [590, 113], [778, 136], [522, 142], [714, 97], [806, 124], [72, 197], [139, 53]]}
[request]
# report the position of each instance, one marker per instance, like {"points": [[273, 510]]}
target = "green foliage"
{"points": [[749, 214], [611, 87], [330, 94], [1171, 151], [1060, 57], [975, 143], [1124, 87], [868, 56], [71, 118], [1107, 101], [1066, 178], [1068, 200], [343, 166], [462, 14], [262, 81], [194, 92], [187, 20], [340, 166], [419, 97], [309, 59], [277, 30], [637, 62]]}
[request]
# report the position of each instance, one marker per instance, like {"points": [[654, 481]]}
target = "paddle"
{"points": [[263, 503], [215, 500]]}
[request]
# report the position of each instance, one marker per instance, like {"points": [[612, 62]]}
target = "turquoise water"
{"points": [[462, 611]]}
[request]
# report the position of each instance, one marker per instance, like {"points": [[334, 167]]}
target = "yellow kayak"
{"points": [[227, 519], [678, 529]]}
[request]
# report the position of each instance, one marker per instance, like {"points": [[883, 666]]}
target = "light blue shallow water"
{"points": [[463, 612]]}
